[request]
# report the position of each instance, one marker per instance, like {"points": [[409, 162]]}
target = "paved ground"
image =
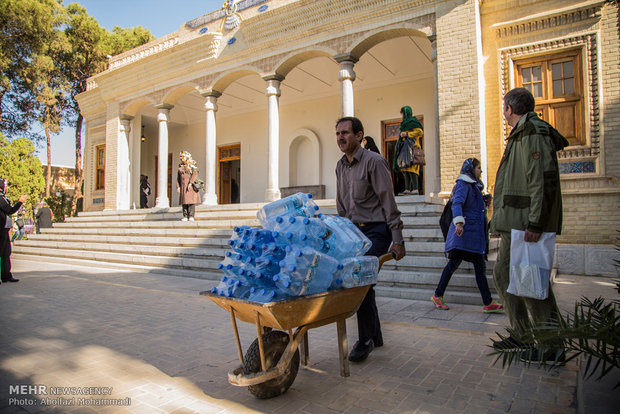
{"points": [[151, 341]]}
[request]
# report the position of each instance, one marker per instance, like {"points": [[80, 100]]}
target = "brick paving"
{"points": [[151, 340]]}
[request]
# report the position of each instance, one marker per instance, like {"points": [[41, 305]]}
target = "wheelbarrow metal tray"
{"points": [[294, 312]]}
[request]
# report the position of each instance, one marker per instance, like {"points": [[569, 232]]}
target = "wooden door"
{"points": [[227, 155]]}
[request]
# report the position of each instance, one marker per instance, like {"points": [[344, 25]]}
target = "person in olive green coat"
{"points": [[527, 197]]}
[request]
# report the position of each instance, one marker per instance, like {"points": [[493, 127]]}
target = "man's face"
{"points": [[348, 142]]}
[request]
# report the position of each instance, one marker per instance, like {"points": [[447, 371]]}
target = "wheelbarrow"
{"points": [[271, 362]]}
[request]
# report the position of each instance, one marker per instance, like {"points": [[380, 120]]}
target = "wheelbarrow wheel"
{"points": [[274, 344]]}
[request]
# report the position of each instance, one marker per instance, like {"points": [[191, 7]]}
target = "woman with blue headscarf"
{"points": [[466, 238]]}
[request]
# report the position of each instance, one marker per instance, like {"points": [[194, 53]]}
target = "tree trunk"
{"points": [[79, 173], [48, 173]]}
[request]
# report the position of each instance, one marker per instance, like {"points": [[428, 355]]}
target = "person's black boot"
{"points": [[361, 351]]}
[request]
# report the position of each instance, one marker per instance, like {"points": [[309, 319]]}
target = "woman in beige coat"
{"points": [[188, 197]]}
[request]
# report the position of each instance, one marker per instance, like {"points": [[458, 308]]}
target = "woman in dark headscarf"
{"points": [[6, 210], [466, 238], [410, 128], [369, 144]]}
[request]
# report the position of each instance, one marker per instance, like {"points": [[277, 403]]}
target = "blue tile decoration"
{"points": [[100, 200], [577, 167], [204, 30], [232, 40], [263, 8]]}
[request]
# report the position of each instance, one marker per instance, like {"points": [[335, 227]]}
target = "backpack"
{"points": [[446, 219]]}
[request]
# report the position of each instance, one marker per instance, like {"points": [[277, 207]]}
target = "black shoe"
{"points": [[10, 280], [511, 343], [361, 351], [557, 356]]}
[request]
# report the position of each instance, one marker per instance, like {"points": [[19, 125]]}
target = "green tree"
{"points": [[21, 167], [90, 45], [27, 27]]}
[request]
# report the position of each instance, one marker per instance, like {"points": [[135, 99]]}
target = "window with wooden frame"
{"points": [[100, 167], [556, 83]]}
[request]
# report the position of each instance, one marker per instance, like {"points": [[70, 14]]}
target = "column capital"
{"points": [[126, 117], [348, 57], [273, 87], [164, 106], [211, 93], [346, 71], [432, 38], [274, 76], [126, 123]]}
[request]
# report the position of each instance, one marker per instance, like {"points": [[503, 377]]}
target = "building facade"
{"points": [[253, 92]]}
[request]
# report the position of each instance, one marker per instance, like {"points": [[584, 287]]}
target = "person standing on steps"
{"points": [[45, 217], [364, 196], [188, 197], [6, 210], [467, 235], [410, 128]]}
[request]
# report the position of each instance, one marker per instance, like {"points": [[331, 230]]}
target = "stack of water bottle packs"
{"points": [[297, 252]]}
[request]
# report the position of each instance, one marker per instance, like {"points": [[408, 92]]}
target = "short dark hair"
{"points": [[356, 124], [520, 100]]}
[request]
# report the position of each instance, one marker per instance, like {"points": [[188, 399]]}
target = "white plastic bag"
{"points": [[530, 265]]}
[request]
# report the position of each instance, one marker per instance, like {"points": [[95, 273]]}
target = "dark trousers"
{"points": [[411, 181], [5, 254], [480, 267], [368, 325], [189, 210]]}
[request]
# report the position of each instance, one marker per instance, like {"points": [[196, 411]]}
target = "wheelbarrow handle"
{"points": [[386, 257]]}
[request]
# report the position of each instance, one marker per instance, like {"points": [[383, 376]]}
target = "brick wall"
{"points": [[457, 79]]}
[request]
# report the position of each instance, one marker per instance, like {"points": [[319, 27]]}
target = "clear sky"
{"points": [[159, 16]]}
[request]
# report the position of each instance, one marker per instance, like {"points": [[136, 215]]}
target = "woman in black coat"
{"points": [[6, 210]]}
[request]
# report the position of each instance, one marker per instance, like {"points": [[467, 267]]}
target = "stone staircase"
{"points": [[155, 240]]}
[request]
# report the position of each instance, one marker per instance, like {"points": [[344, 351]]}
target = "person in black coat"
{"points": [[44, 217], [6, 210]]}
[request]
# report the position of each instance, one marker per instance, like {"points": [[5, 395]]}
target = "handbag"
{"points": [[196, 186], [530, 265], [405, 154], [418, 156], [446, 219]]}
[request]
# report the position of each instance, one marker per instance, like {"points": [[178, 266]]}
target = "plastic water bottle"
{"points": [[299, 204], [267, 266], [273, 251], [240, 289], [289, 285], [341, 241], [358, 271], [311, 267], [336, 284], [262, 295]]}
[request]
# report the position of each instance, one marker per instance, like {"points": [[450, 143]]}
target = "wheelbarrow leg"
{"points": [[305, 358], [343, 347]]}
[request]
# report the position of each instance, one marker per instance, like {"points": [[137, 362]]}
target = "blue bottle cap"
{"points": [[340, 266], [279, 219], [306, 220], [271, 294], [299, 253], [229, 266], [291, 220], [339, 281], [231, 243], [316, 208], [286, 284], [288, 249], [252, 289], [275, 278], [289, 235], [236, 229], [282, 263], [214, 290], [238, 256], [292, 268], [309, 195], [220, 266], [228, 254], [320, 215], [303, 237], [242, 272]]}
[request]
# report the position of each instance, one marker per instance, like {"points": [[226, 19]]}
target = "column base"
{"points": [[272, 194], [209, 200], [162, 202]]}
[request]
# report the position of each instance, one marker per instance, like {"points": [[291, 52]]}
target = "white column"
{"points": [[346, 76], [162, 156], [124, 164], [210, 197], [273, 136]]}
